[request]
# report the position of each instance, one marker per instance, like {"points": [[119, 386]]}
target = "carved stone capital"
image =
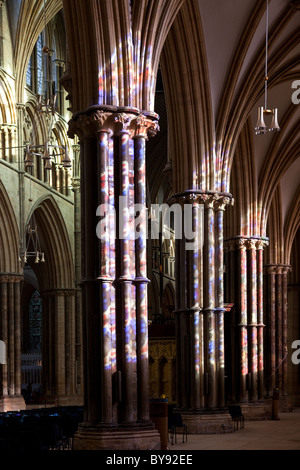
{"points": [[10, 278], [222, 202], [241, 243], [210, 199], [287, 268], [277, 268], [245, 242], [144, 127], [251, 244], [123, 122], [59, 292], [114, 121], [88, 125], [75, 184], [76, 148], [269, 269], [261, 243]]}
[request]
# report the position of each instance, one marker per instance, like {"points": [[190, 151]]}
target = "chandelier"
{"points": [[33, 246], [261, 127]]}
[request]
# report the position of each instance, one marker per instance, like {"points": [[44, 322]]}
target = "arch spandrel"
{"points": [[9, 235]]}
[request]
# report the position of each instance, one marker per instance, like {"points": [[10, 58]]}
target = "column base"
{"points": [[207, 422], [47, 401], [116, 438], [256, 411], [12, 403], [285, 404]]}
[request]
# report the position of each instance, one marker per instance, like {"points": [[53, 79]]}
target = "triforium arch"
{"points": [[60, 322], [36, 128], [8, 125], [10, 319], [7, 114]]}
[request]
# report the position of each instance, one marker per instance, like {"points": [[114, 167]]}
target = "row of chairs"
{"points": [[38, 430]]}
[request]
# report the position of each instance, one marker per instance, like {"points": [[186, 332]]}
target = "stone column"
{"points": [[1, 37], [58, 355], [194, 256], [270, 327], [285, 270], [4, 336], [209, 301], [252, 314], [276, 283], [200, 311], [141, 281], [232, 285], [219, 273], [243, 320], [10, 324], [21, 110], [261, 244], [114, 282], [247, 274], [77, 247]]}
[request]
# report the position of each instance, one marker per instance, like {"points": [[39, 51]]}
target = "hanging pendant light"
{"points": [[261, 127], [33, 246], [66, 161]]}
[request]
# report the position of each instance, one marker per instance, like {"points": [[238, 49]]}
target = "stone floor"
{"points": [[283, 434]]}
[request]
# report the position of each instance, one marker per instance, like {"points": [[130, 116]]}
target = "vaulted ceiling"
{"points": [[235, 43]]}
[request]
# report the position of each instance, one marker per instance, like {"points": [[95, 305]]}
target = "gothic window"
{"points": [[29, 74], [35, 322], [35, 69], [39, 64]]}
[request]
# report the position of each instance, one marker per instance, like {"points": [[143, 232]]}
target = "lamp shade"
{"points": [[260, 127], [274, 126]]}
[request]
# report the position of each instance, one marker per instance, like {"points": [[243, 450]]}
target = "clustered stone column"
{"points": [[276, 319], [77, 262], [200, 308], [59, 366], [2, 2], [10, 334], [114, 280], [8, 141], [245, 290]]}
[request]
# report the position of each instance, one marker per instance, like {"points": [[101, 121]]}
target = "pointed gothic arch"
{"points": [[7, 108], [58, 270], [9, 236]]}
